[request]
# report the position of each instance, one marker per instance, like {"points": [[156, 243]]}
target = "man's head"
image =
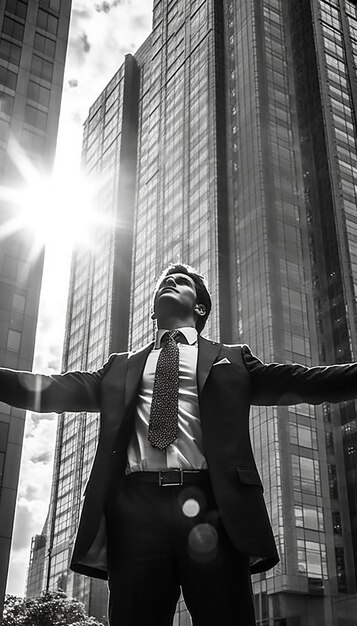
{"points": [[180, 288]]}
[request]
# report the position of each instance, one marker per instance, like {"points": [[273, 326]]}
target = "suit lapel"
{"points": [[208, 351], [136, 364]]}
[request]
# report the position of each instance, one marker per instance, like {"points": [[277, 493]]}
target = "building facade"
{"points": [[229, 141], [33, 42], [34, 583]]}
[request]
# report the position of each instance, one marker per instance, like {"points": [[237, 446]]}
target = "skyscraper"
{"points": [[229, 141], [33, 42], [34, 584]]}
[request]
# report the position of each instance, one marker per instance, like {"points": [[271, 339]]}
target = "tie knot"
{"points": [[170, 335]]}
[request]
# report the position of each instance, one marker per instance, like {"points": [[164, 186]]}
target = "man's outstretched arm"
{"points": [[284, 384], [73, 391]]}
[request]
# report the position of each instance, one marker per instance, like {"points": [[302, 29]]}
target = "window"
{"points": [[309, 517], [312, 558], [32, 142], [332, 476], [35, 118], [336, 522], [13, 340], [2, 462], [42, 68], [326, 412], [46, 21], [303, 436], [4, 130], [14, 269], [341, 570], [45, 45], [13, 29], [6, 103], [329, 442], [19, 302], [22, 271], [51, 4], [10, 52], [8, 268], [306, 474], [8, 78], [38, 93], [4, 432], [17, 7]]}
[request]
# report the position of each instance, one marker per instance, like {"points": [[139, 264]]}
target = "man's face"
{"points": [[176, 295]]}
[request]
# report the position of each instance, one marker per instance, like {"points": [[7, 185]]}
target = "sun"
{"points": [[55, 210]]}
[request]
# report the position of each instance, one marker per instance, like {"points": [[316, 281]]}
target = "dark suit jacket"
{"points": [[226, 392]]}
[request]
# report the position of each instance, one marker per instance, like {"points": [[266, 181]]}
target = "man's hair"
{"points": [[203, 295]]}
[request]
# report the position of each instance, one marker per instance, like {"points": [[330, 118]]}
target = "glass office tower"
{"points": [[37, 563], [228, 141], [33, 43]]}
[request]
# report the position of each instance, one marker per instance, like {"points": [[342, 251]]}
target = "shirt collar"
{"points": [[189, 333]]}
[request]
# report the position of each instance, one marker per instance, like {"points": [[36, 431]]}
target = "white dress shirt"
{"points": [[187, 451]]}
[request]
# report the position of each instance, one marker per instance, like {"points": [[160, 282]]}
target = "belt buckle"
{"points": [[162, 482]]}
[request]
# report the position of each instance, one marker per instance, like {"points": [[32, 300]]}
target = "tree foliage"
{"points": [[52, 608]]}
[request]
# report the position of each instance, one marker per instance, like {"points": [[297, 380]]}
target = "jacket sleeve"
{"points": [[284, 384], [72, 391]]}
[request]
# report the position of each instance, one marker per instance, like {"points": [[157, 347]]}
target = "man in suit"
{"points": [[174, 500]]}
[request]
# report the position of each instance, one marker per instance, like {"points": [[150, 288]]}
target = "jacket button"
{"points": [[114, 453]]}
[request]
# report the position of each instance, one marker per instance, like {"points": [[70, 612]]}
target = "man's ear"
{"points": [[200, 309]]}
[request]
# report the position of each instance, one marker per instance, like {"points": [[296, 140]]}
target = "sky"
{"points": [[101, 33]]}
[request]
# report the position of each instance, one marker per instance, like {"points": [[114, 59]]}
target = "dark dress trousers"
{"points": [[226, 392]]}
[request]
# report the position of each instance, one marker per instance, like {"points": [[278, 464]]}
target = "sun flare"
{"points": [[55, 210]]}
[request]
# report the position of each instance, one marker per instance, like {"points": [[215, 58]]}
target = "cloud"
{"points": [[140, 22], [36, 419], [80, 12], [80, 48], [44, 457], [33, 494], [85, 42], [106, 7], [18, 571], [103, 6], [22, 538]]}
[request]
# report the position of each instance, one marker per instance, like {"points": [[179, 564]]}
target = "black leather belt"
{"points": [[170, 478]]}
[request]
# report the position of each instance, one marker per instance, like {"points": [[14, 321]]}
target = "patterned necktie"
{"points": [[163, 424]]}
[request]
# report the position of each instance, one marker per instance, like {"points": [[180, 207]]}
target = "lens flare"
{"points": [[52, 210], [191, 507], [192, 501], [203, 541]]}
